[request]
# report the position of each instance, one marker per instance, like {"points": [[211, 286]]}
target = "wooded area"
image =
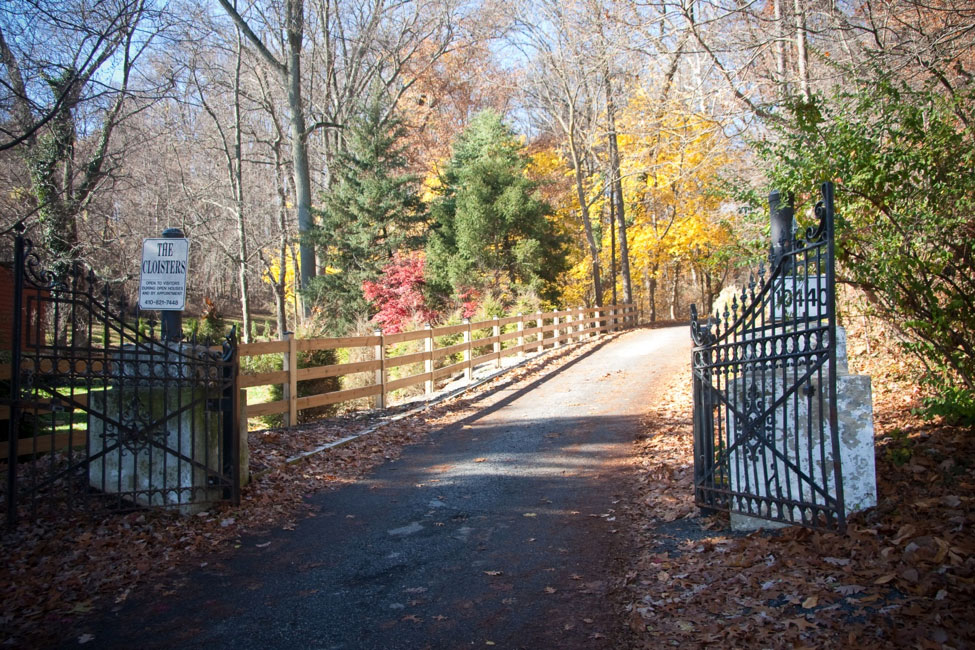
{"points": [[342, 165]]}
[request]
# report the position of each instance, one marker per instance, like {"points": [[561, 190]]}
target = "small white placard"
{"points": [[799, 297], [163, 282]]}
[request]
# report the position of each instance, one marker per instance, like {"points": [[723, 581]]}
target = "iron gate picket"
{"points": [[766, 440], [103, 414]]}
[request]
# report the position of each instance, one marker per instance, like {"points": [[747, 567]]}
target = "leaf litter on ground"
{"points": [[903, 576], [60, 571]]}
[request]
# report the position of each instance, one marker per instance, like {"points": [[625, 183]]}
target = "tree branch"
{"points": [[253, 38]]}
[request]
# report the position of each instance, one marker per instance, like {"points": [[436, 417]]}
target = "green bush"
{"points": [[902, 161], [212, 325], [191, 328], [953, 402], [307, 388]]}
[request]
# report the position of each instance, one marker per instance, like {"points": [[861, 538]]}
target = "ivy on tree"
{"points": [[491, 230], [372, 211]]}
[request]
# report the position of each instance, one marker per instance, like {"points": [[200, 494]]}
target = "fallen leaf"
{"points": [[85, 638], [550, 590], [951, 501], [800, 623], [885, 579], [529, 514], [810, 602], [494, 573]]}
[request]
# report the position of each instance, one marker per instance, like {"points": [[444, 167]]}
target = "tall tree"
{"points": [[55, 62], [372, 211], [288, 68], [563, 86], [490, 227]]}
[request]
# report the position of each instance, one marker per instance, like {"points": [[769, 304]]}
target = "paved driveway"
{"points": [[498, 531]]}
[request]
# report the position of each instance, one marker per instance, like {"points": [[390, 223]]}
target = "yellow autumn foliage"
{"points": [[670, 159]]}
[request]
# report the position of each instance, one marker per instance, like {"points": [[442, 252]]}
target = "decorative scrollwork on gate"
{"points": [[136, 429], [757, 426], [102, 412], [764, 435]]}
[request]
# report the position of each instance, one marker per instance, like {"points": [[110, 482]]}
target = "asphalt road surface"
{"points": [[498, 531]]}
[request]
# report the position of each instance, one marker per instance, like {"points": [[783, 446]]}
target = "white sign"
{"points": [[163, 283], [794, 296]]}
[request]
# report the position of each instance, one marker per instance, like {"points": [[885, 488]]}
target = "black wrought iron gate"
{"points": [[764, 370], [99, 411]]}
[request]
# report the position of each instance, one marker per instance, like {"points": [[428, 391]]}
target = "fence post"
{"points": [[521, 335], [171, 321], [568, 327], [598, 324], [428, 362], [581, 327], [468, 371], [541, 335], [496, 333], [381, 372], [558, 332], [289, 363]]}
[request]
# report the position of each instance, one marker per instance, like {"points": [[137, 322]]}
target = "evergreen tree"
{"points": [[491, 230], [372, 211]]}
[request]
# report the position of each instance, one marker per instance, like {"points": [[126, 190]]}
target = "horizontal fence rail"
{"points": [[462, 348]]}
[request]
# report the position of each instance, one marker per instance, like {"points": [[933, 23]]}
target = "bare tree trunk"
{"points": [[290, 73], [242, 262], [612, 241], [674, 291], [802, 56], [586, 223], [652, 292], [779, 49], [279, 284], [616, 194], [299, 145]]}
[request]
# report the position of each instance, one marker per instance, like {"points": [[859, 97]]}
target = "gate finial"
{"points": [[781, 217]]}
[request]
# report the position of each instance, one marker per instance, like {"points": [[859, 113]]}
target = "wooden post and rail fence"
{"points": [[480, 342]]}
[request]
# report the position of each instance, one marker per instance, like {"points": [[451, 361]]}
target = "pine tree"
{"points": [[372, 211], [491, 229]]}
